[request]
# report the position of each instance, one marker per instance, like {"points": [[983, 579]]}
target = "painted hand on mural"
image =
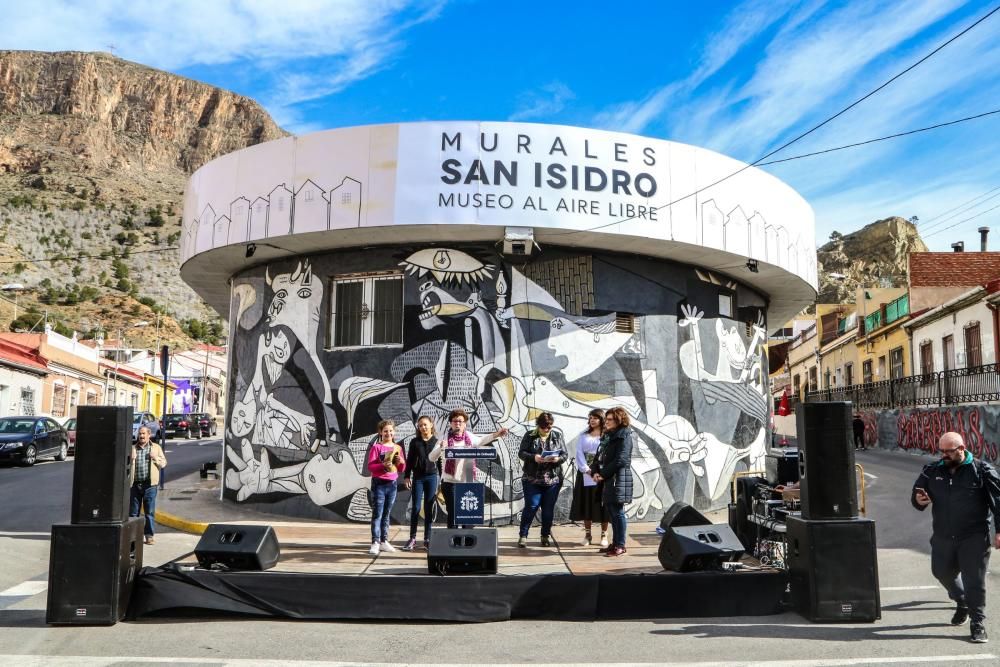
{"points": [[248, 476], [691, 315]]}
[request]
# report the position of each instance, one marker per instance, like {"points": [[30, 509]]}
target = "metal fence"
{"points": [[978, 384]]}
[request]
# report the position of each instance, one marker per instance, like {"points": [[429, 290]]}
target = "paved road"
{"points": [[914, 628], [32, 499]]}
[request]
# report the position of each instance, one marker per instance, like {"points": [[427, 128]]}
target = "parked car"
{"points": [[180, 424], [207, 424], [147, 419], [70, 426], [24, 439]]}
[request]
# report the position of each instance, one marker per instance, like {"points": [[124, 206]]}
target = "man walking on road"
{"points": [[964, 492], [147, 460]]}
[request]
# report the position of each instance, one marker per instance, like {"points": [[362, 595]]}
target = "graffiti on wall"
{"points": [[920, 429], [482, 336]]}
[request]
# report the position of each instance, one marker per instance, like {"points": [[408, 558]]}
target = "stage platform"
{"points": [[326, 573]]}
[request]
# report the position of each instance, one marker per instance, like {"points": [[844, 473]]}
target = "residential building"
{"points": [[22, 379]]}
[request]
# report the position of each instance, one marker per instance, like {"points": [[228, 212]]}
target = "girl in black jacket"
{"points": [[423, 463], [542, 475], [613, 469]]}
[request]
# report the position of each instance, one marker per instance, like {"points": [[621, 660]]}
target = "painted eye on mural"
{"points": [[312, 478], [281, 294], [305, 293], [447, 265], [557, 323]]}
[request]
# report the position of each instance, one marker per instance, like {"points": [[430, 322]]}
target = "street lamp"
{"points": [[15, 288]]}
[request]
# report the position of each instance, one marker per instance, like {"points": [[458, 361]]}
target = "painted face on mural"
{"points": [[327, 479], [733, 351], [244, 416], [296, 302], [438, 304]]}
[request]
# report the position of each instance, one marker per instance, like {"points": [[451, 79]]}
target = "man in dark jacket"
{"points": [[963, 492], [858, 426]]}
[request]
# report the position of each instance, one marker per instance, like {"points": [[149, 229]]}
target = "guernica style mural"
{"points": [[325, 346]]}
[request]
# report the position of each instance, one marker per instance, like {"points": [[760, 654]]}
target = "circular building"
{"points": [[394, 271]]}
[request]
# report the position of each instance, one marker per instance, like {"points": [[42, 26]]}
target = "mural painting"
{"points": [[920, 429], [564, 334]]}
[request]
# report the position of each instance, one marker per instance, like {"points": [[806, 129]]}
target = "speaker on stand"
{"points": [[828, 486], [102, 464]]}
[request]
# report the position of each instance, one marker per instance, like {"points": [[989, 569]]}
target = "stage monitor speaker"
{"points": [[102, 464], [833, 569], [827, 481], [238, 547], [782, 465], [462, 551], [91, 571], [692, 548], [682, 514]]}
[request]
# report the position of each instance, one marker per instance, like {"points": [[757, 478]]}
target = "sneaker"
{"points": [[411, 544], [615, 551], [149, 540], [385, 546], [587, 539], [427, 545], [960, 617], [979, 633], [522, 542], [660, 530], [546, 541], [604, 540], [374, 549]]}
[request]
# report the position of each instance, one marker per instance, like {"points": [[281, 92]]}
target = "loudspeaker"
{"points": [[833, 569], [462, 551], [102, 465], [782, 466], [682, 514], [91, 571], [691, 548], [238, 547], [827, 481]]}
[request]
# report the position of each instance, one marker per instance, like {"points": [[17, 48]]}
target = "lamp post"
{"points": [[16, 288]]}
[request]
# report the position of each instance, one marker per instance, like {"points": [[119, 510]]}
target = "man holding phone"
{"points": [[963, 493]]}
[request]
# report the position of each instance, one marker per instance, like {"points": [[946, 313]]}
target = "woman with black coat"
{"points": [[613, 469], [423, 463], [542, 454]]}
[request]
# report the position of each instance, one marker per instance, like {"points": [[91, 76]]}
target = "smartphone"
{"points": [[920, 491]]}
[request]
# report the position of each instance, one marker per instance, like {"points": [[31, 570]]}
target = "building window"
{"points": [[27, 401], [926, 360], [74, 398], [813, 384], [849, 374], [881, 368], [725, 305], [948, 352], [826, 379], [91, 397], [135, 400], [366, 311], [866, 371], [797, 385], [896, 363], [59, 400], [973, 346]]}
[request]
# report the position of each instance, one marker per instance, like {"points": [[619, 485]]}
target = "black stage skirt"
{"points": [[587, 502]]}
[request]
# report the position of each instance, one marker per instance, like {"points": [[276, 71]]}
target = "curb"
{"points": [[177, 523]]}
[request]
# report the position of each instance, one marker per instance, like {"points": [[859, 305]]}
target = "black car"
{"points": [[206, 423], [24, 439], [180, 424]]}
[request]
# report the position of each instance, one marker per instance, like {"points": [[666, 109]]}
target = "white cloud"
{"points": [[549, 100]]}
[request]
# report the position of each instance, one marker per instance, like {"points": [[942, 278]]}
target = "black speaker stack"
{"points": [[831, 553], [93, 560]]}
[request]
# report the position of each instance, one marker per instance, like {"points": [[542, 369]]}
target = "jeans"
{"points": [[423, 495], [618, 522], [383, 496], [960, 565], [143, 495], [536, 495]]}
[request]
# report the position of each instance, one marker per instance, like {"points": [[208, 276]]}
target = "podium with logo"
{"points": [[466, 550]]}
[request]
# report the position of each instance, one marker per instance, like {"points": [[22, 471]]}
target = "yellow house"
{"points": [[152, 394], [883, 344]]}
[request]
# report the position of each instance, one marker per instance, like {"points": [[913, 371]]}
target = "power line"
{"points": [[971, 217], [961, 208], [801, 136], [885, 138], [964, 209], [40, 260]]}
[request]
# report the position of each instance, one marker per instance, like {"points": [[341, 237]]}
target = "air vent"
{"points": [[626, 323]]}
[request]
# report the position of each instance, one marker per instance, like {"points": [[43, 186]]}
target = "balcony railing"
{"points": [[978, 384]]}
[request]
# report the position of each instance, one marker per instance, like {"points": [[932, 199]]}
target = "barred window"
{"points": [[366, 311], [973, 346], [59, 400]]}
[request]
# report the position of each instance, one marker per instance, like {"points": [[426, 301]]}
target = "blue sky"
{"points": [[741, 78]]}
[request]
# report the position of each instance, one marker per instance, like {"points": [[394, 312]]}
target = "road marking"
{"points": [[908, 588], [870, 476], [4, 533], [25, 589], [93, 661]]}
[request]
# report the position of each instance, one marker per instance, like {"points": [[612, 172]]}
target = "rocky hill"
{"points": [[94, 155], [873, 255]]}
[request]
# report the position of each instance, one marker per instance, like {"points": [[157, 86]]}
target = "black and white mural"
{"points": [[679, 348]]}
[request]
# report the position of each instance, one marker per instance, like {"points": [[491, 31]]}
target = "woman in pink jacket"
{"points": [[385, 462]]}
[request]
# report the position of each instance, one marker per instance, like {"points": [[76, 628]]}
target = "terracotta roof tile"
{"points": [[953, 269]]}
